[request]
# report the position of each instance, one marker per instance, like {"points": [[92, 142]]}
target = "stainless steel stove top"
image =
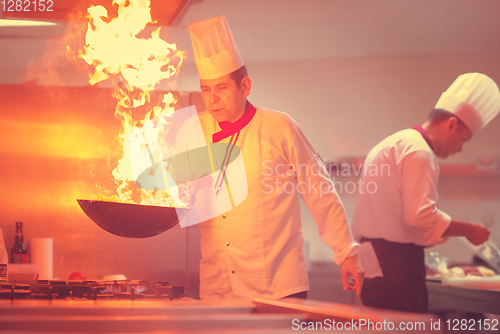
{"points": [[93, 290]]}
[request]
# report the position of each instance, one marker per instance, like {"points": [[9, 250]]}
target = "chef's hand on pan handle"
{"points": [[351, 268], [475, 233], [188, 191], [187, 194]]}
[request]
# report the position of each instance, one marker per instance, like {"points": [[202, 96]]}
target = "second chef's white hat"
{"points": [[474, 98], [214, 48]]}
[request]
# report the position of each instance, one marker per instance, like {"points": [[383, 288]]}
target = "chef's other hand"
{"points": [[477, 234], [350, 268]]}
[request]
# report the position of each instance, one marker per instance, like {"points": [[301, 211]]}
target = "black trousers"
{"points": [[403, 286], [302, 295]]}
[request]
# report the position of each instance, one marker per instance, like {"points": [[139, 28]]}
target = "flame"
{"points": [[117, 50], [113, 48]]}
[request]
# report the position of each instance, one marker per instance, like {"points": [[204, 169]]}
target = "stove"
{"points": [[130, 306], [91, 290], [99, 307]]}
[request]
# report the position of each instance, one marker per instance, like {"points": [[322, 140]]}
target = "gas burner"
{"points": [[127, 289]]}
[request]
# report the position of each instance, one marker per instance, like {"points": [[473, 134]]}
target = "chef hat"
{"points": [[474, 98], [215, 51]]}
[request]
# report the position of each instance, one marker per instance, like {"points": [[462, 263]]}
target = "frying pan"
{"points": [[143, 221], [132, 220]]}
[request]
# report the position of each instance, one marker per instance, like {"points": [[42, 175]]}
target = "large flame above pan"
{"points": [[120, 49]]}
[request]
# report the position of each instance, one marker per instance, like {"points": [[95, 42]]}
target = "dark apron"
{"points": [[403, 286]]}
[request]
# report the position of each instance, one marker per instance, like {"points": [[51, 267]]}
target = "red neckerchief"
{"points": [[229, 129], [424, 134]]}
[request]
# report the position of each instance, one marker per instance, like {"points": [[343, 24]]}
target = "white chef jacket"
{"points": [[256, 249], [397, 199]]}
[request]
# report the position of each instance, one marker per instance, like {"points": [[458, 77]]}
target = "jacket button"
{"points": [[223, 216], [227, 243], [233, 271]]}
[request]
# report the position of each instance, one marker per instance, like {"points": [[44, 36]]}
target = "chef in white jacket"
{"points": [[256, 248], [397, 214]]}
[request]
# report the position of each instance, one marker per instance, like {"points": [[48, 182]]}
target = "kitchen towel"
{"points": [[42, 255]]}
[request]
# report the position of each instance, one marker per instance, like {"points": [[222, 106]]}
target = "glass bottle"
{"points": [[3, 259], [18, 253]]}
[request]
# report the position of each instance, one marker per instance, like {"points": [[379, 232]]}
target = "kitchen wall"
{"points": [[345, 106], [60, 144]]}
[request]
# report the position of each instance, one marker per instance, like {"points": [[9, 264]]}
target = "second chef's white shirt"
{"points": [[398, 199]]}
